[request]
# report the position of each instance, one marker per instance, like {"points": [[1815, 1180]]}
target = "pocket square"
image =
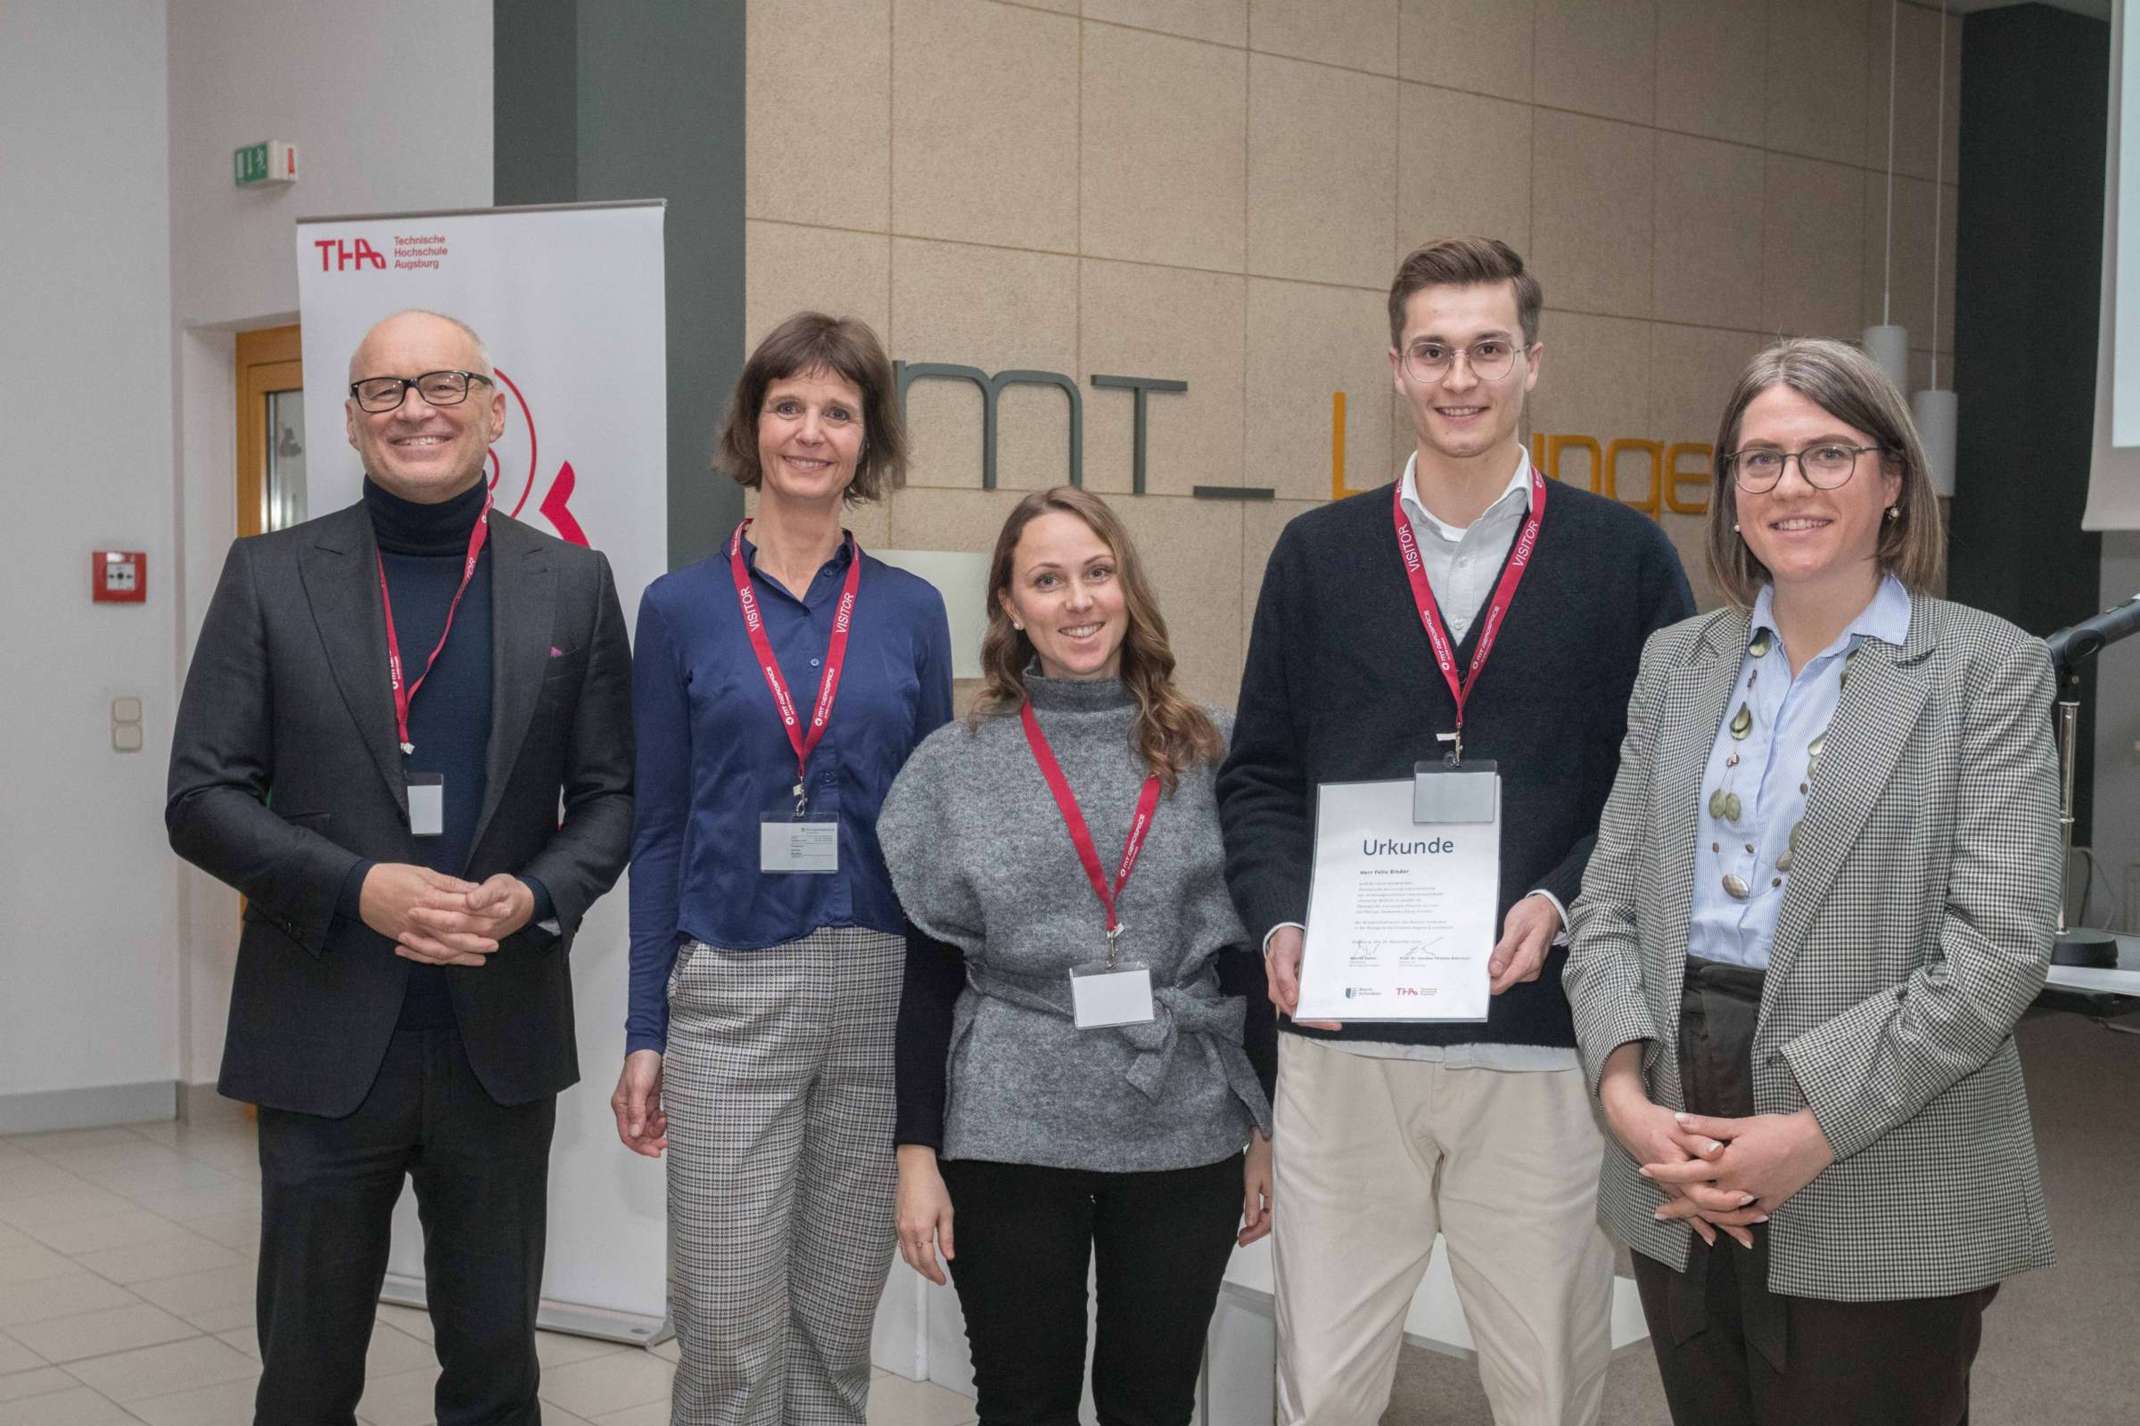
{"points": [[556, 652]]}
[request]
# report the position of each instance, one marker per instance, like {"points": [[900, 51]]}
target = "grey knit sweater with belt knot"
{"points": [[981, 859]]}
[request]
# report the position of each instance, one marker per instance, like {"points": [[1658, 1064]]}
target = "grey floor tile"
{"points": [[96, 1334], [76, 1407], [160, 1370], [59, 1297]]}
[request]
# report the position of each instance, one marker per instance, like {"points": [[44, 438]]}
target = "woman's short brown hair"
{"points": [[1851, 387], [813, 341]]}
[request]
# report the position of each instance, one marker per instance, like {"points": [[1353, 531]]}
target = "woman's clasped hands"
{"points": [[1715, 1173]]}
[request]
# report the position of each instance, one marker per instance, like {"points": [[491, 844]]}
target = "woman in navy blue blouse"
{"points": [[777, 688]]}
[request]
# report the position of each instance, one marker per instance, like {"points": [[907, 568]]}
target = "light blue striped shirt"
{"points": [[1771, 776]]}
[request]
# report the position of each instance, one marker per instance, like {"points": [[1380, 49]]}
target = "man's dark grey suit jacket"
{"points": [[285, 773]]}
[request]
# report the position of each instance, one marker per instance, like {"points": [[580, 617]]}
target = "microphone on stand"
{"points": [[2070, 648]]}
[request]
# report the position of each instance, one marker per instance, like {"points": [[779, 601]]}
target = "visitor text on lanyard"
{"points": [[1430, 615], [828, 686]]}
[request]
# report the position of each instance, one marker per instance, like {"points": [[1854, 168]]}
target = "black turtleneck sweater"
{"points": [[423, 547]]}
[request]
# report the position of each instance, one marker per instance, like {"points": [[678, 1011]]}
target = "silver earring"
{"points": [[1018, 626], [1735, 527], [1894, 512]]}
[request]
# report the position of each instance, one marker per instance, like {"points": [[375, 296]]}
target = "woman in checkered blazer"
{"points": [[1823, 892]]}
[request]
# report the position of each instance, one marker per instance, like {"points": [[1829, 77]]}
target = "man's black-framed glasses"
{"points": [[380, 394], [1825, 466], [1489, 359]]}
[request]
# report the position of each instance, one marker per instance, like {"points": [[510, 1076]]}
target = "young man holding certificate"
{"points": [[1430, 721]]}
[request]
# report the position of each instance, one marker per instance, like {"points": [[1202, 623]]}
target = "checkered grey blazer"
{"points": [[1915, 928]]}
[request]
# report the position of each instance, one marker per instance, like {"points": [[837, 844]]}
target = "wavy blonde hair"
{"points": [[1171, 733]]}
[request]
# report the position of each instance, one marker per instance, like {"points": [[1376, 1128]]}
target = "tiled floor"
{"points": [[126, 1292]]}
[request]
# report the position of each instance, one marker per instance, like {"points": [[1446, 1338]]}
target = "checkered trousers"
{"points": [[779, 1089]]}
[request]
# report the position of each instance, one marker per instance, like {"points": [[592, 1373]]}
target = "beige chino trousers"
{"points": [[1373, 1157]]}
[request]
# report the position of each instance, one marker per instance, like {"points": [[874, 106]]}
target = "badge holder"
{"points": [[1453, 791], [1112, 992], [427, 804], [792, 841]]}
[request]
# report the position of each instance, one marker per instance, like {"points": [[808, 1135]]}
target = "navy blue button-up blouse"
{"points": [[714, 760]]}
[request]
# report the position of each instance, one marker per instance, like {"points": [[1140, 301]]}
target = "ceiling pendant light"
{"points": [[1887, 344], [1938, 411]]}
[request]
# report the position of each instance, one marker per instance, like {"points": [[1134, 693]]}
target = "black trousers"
{"points": [[1733, 1353], [1159, 1243], [328, 1188]]}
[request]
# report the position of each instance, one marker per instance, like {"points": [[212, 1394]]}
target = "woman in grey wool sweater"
{"points": [[1065, 835]]}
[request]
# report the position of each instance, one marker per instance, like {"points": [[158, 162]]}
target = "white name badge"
{"points": [[427, 803], [1465, 793], [1101, 995], [810, 846]]}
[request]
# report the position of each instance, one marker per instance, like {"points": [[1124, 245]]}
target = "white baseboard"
{"points": [[92, 1107]]}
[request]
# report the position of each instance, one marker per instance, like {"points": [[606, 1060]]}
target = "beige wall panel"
{"points": [[1692, 370], [1819, 42], [788, 269], [1594, 380], [1222, 22], [995, 309], [1305, 342], [1463, 166], [1690, 537], [1262, 523], [1598, 56], [1165, 168], [1322, 181], [1711, 74], [1060, 7], [1592, 185], [1810, 262], [932, 519], [1358, 34], [1912, 300], [1463, 44], [1192, 549], [1709, 221], [818, 142], [1032, 436], [1184, 326], [984, 114], [1917, 141]]}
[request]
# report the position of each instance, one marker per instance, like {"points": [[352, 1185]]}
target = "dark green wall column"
{"points": [[2028, 272], [621, 99]]}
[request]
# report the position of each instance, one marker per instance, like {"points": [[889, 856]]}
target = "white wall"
{"points": [[389, 104], [2117, 735], [88, 971]]}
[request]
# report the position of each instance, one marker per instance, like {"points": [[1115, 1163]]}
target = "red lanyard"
{"points": [[835, 656], [1430, 614], [405, 694], [1081, 836]]}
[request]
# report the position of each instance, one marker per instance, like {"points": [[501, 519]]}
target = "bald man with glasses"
{"points": [[386, 708]]}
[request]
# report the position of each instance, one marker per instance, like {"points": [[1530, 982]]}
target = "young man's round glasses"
{"points": [[1824, 466], [380, 394], [1490, 359]]}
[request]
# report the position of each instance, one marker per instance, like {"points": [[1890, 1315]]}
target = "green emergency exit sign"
{"points": [[274, 162]]}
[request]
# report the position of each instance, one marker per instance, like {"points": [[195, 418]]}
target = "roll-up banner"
{"points": [[569, 301], [2114, 474]]}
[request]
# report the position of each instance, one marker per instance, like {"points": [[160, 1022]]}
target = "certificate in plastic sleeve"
{"points": [[1400, 912]]}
